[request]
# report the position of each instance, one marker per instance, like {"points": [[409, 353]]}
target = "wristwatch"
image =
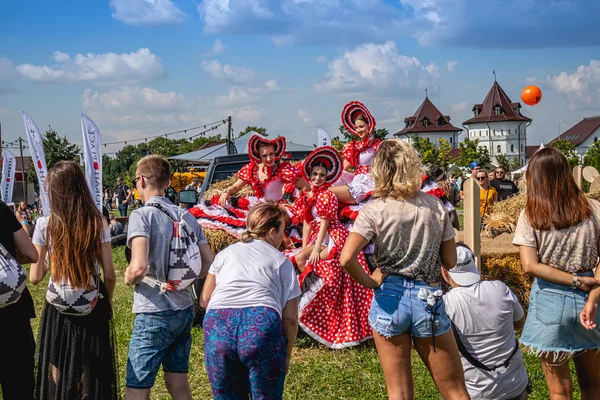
{"points": [[576, 282]]}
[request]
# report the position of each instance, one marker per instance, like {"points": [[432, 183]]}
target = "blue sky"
{"points": [[145, 67]]}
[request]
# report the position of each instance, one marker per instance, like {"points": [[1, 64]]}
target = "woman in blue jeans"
{"points": [[251, 299], [413, 237], [558, 235]]}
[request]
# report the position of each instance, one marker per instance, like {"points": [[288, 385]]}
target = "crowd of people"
{"points": [[362, 252]]}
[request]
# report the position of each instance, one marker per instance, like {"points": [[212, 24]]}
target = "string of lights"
{"points": [[217, 123]]}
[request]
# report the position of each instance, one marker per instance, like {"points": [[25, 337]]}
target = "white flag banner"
{"points": [[9, 165], [38, 156], [323, 138], [92, 156]]}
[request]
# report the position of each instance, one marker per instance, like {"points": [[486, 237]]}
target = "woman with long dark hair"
{"points": [[558, 235], [76, 353]]}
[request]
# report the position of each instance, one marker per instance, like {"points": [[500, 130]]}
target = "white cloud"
{"points": [[304, 21], [6, 112], [147, 12], [235, 95], [272, 84], [217, 47], [379, 70], [130, 98], [228, 72], [7, 75], [461, 106], [321, 59], [582, 87], [433, 70], [248, 113], [107, 68], [532, 23], [304, 117], [451, 65]]}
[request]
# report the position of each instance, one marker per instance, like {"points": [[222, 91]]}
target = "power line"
{"points": [[220, 122]]}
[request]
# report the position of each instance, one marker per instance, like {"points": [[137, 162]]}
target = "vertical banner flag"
{"points": [[92, 156], [323, 138], [36, 148], [9, 164]]}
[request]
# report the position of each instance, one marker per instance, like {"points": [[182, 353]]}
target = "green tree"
{"points": [[56, 149], [592, 157], [431, 154], [471, 151], [503, 161], [258, 129], [568, 149], [337, 143]]}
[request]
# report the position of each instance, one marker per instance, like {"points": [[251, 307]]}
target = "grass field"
{"points": [[315, 373]]}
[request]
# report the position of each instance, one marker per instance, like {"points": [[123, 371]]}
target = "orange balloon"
{"points": [[531, 95]]}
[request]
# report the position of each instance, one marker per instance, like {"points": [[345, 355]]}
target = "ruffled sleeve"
{"points": [[327, 205], [289, 173], [246, 173], [297, 209], [377, 144], [348, 153]]}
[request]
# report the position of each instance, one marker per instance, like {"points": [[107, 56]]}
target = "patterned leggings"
{"points": [[245, 353]]}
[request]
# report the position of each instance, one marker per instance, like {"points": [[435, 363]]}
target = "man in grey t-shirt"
{"points": [[163, 322]]}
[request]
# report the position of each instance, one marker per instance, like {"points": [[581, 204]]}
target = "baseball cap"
{"points": [[465, 272], [474, 164]]}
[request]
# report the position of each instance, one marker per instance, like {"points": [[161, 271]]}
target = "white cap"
{"points": [[465, 273]]}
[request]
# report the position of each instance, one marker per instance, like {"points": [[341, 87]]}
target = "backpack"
{"points": [[13, 278], [185, 263], [72, 301]]}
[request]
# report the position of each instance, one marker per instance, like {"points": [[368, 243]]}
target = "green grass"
{"points": [[315, 373]]}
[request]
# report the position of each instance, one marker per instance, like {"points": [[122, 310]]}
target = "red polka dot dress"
{"points": [[334, 309]]}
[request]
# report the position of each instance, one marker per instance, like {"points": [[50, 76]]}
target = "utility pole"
{"points": [[229, 135], [23, 172]]}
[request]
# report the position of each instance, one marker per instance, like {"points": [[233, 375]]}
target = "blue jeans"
{"points": [[552, 324], [397, 309], [159, 338], [123, 209]]}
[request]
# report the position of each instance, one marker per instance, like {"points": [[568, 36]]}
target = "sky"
{"points": [[141, 68]]}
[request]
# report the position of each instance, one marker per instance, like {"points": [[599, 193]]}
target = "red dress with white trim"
{"points": [[232, 219], [360, 155], [334, 308]]}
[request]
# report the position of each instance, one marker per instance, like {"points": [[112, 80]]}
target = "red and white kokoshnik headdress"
{"points": [[353, 110], [331, 160], [256, 140]]}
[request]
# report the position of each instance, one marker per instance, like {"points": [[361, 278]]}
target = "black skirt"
{"points": [[76, 356]]}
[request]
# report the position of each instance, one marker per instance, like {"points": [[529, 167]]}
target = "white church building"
{"points": [[499, 125], [583, 135]]}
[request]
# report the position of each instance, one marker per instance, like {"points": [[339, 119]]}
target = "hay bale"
{"points": [[219, 187], [218, 239], [507, 268], [504, 215]]}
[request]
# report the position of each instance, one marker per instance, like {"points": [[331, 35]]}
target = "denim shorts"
{"points": [[552, 324], [159, 338], [397, 309]]}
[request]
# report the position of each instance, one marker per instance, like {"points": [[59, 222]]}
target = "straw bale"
{"points": [[219, 187], [504, 215], [218, 239], [507, 268]]}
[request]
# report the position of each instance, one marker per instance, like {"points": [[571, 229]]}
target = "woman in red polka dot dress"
{"points": [[334, 308], [265, 173]]}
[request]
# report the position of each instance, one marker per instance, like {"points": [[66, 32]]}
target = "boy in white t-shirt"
{"points": [[484, 316]]}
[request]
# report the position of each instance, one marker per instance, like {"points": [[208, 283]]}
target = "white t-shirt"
{"points": [[484, 314], [41, 225], [253, 274]]}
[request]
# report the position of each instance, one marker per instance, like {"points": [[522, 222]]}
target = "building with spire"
{"points": [[499, 125], [428, 122]]}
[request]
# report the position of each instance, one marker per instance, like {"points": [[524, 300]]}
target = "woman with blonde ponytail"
{"points": [[251, 299]]}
